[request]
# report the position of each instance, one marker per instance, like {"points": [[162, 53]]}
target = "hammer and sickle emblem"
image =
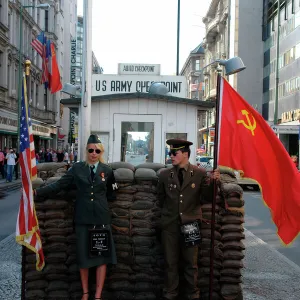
{"points": [[248, 125]]}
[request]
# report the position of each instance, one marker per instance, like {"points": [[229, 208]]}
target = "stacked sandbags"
{"points": [[56, 226], [135, 216], [205, 249], [233, 248]]}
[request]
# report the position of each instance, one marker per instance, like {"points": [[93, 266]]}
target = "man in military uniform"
{"points": [[180, 190]]}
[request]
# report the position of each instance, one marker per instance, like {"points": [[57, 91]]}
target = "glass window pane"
{"points": [[137, 142]]}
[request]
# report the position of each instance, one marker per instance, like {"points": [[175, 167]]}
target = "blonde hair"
{"points": [[101, 148]]}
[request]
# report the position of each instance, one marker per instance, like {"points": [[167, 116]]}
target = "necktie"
{"points": [[180, 176], [92, 172]]}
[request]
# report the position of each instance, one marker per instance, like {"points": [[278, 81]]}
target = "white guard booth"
{"points": [[134, 127]]}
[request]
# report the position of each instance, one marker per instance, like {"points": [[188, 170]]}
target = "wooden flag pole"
{"points": [[213, 210]]}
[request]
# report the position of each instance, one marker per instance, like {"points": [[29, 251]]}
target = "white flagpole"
{"points": [[85, 108]]}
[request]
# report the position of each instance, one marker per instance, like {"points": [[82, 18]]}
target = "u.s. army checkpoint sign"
{"points": [[103, 84]]}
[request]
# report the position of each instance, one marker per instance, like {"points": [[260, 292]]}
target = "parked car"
{"points": [[204, 161]]}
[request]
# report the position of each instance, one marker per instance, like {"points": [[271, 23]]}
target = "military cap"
{"points": [[178, 144], [93, 139]]}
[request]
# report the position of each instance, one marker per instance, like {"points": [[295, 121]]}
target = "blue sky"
{"points": [[144, 31]]}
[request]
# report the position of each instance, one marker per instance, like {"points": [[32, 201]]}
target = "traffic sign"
{"points": [[285, 129]]}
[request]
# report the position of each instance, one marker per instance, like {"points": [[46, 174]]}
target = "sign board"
{"points": [[138, 69], [290, 116], [116, 84], [285, 129], [73, 62]]}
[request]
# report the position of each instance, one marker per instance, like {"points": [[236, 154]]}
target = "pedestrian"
{"points": [[6, 151], [42, 156], [2, 158], [95, 183], [180, 190], [48, 156], [71, 157], [60, 156], [11, 161], [54, 156], [66, 157], [16, 167], [295, 160], [75, 155]]}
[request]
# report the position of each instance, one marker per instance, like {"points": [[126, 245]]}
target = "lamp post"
{"points": [[178, 35], [277, 66], [22, 7]]}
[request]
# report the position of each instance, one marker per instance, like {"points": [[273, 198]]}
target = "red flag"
{"points": [[53, 68], [27, 228], [248, 144]]}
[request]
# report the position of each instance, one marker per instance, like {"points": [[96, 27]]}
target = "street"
{"points": [[8, 213], [259, 222]]}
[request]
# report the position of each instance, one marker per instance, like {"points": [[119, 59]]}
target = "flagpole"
{"points": [[213, 209]]}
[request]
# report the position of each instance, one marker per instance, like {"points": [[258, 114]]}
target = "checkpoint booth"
{"points": [[134, 127]]}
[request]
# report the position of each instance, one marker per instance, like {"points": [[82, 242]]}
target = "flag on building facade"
{"points": [[50, 69], [38, 43], [27, 228], [248, 144]]}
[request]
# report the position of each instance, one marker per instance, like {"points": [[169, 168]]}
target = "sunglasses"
{"points": [[174, 151], [92, 151]]}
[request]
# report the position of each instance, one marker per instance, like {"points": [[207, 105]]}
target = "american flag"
{"points": [[27, 229], [38, 44]]}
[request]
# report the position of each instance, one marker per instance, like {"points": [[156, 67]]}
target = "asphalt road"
{"points": [[258, 221], [9, 207]]}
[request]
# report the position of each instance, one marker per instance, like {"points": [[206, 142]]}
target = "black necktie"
{"points": [[92, 172], [180, 176]]}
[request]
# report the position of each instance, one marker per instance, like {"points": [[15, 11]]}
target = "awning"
{"points": [[8, 132], [45, 137]]}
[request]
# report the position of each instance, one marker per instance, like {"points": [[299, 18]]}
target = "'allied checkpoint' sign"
{"points": [[138, 69], [103, 84]]}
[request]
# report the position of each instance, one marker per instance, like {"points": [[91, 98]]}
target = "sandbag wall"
{"points": [[135, 215]]}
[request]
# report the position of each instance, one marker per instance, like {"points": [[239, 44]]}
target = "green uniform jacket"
{"points": [[91, 200], [183, 203]]}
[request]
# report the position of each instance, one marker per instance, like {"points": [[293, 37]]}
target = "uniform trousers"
{"points": [[176, 252]]}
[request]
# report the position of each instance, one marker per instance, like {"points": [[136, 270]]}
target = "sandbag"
{"points": [[121, 222], [35, 294], [148, 187], [62, 277], [231, 279], [231, 290], [143, 223], [36, 285], [231, 189], [143, 231], [235, 202], [58, 223], [160, 171], [205, 262], [54, 214], [126, 189], [120, 204], [52, 166], [124, 175], [233, 272], [232, 228], [121, 164], [54, 204], [206, 233], [232, 236], [145, 296], [37, 183], [57, 285], [55, 247], [120, 213], [142, 214], [124, 197], [143, 241], [142, 204], [143, 286], [55, 269], [121, 239], [52, 180], [233, 245], [145, 174], [56, 257], [230, 263], [55, 295], [120, 286], [33, 275], [145, 196], [120, 230], [152, 166], [231, 219]]}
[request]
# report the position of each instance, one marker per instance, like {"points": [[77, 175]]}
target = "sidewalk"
{"points": [[268, 275], [8, 186]]}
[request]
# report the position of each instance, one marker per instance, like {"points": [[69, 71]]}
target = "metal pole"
{"points": [[213, 208], [20, 75], [86, 77], [277, 66], [178, 34], [207, 112]]}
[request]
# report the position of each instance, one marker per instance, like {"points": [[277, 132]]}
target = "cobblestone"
{"points": [[10, 269]]}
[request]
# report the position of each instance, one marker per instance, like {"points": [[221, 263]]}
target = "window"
{"points": [[46, 20], [197, 65], [137, 142]]}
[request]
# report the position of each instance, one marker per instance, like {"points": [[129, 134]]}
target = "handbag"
{"points": [[191, 235], [99, 241]]}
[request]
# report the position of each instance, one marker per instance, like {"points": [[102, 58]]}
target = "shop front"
{"points": [[45, 136], [134, 127], [8, 129]]}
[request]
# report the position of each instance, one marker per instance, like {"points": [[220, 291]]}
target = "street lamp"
{"points": [[44, 6]]}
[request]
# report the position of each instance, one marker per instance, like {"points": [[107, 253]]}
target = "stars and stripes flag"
{"points": [[38, 44], [27, 229]]}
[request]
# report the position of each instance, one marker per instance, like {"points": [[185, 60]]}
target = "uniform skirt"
{"points": [[82, 249]]}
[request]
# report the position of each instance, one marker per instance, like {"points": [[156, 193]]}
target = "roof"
{"points": [[204, 104], [199, 49]]}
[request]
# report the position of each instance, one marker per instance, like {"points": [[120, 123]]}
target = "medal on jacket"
{"points": [[102, 175]]}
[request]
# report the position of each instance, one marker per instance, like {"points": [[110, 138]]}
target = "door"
{"points": [[137, 138]]}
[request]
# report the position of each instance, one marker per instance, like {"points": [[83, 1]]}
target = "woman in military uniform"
{"points": [[95, 187]]}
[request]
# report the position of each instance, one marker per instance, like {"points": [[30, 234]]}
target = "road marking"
{"points": [[281, 256]]}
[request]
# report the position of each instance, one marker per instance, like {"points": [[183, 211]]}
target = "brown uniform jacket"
{"points": [[183, 203]]}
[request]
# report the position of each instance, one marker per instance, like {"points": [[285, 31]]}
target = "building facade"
{"points": [[68, 137], [44, 106], [288, 64]]}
